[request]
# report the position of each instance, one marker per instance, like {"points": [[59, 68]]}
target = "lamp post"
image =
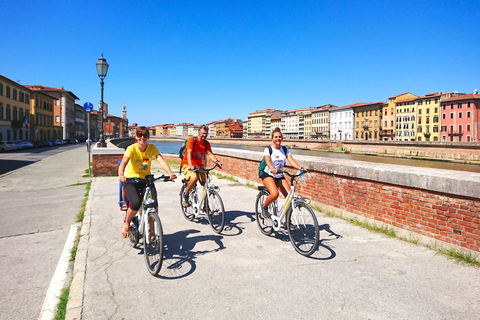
{"points": [[102, 67]]}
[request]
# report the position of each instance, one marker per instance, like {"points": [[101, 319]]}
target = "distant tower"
{"points": [[124, 112]]}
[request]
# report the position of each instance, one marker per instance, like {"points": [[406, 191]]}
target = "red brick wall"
{"points": [[105, 164], [449, 218]]}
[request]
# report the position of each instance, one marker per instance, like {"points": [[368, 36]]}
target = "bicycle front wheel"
{"points": [[187, 211], [302, 229], [264, 224], [215, 211], [153, 243]]}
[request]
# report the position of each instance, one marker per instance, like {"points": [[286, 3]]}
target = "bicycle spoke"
{"points": [[215, 211], [303, 230], [264, 224], [153, 243]]}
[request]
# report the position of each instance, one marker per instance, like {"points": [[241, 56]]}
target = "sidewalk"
{"points": [[242, 274]]}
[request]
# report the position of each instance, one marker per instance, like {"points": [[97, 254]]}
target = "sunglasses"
{"points": [[145, 135]]}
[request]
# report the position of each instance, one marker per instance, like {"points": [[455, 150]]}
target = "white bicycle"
{"points": [[150, 227], [299, 219], [209, 204]]}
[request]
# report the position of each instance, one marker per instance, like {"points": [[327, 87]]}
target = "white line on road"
{"points": [[58, 280]]}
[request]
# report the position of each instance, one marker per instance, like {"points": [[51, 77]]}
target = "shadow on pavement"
{"points": [[235, 228], [179, 256], [10, 165]]}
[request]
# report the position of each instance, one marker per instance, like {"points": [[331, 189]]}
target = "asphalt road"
{"points": [[41, 193]]}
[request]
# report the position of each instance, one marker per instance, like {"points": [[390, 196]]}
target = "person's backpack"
{"points": [[181, 152], [263, 163]]}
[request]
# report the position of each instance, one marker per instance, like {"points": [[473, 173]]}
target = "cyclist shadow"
{"points": [[233, 228], [324, 251], [179, 254]]}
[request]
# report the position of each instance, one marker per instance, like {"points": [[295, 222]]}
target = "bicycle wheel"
{"points": [[265, 224], [134, 234], [215, 211], [153, 243], [302, 229], [187, 211]]}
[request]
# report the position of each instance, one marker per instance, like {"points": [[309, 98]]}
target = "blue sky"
{"points": [[200, 61]]}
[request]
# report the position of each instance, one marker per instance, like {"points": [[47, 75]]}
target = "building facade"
{"points": [[341, 123], [460, 118], [14, 110]]}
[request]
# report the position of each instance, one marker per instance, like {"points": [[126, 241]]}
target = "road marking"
{"points": [[58, 280]]}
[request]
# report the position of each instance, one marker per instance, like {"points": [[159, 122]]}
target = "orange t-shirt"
{"points": [[199, 151]]}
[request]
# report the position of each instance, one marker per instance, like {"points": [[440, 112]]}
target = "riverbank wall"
{"points": [[436, 208]]}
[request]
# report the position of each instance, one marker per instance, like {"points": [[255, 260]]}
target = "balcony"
{"points": [[455, 133]]}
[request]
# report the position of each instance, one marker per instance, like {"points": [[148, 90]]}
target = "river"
{"points": [[174, 146]]}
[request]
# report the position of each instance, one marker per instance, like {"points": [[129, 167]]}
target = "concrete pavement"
{"points": [[242, 274], [40, 203]]}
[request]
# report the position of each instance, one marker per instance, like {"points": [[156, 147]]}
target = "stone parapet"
{"points": [[430, 204]]}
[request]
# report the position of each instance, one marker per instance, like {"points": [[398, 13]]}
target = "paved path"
{"points": [[40, 203], [242, 274]]}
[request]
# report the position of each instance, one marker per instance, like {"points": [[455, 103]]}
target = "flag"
{"points": [[25, 122]]}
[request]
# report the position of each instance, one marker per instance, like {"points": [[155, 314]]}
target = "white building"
{"points": [[342, 123]]}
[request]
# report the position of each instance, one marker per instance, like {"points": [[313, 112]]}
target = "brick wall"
{"points": [[446, 217]]}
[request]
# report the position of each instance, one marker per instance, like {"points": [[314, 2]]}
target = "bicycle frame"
{"points": [[149, 204], [199, 204], [289, 202]]}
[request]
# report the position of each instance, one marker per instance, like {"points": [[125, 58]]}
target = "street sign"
{"points": [[88, 106]]}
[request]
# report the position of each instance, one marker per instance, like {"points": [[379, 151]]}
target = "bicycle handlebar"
{"points": [[217, 164], [293, 176], [150, 179]]}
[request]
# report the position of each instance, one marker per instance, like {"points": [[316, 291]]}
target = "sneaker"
{"points": [[265, 213], [185, 200]]}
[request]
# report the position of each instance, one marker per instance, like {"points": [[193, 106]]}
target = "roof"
{"points": [[468, 96], [40, 87]]}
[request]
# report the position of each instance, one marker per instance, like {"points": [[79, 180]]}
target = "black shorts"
{"points": [[134, 194], [277, 180]]}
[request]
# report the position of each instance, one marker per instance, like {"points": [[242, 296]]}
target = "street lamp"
{"points": [[102, 67]]}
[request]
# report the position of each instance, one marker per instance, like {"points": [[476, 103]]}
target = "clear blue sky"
{"points": [[199, 61]]}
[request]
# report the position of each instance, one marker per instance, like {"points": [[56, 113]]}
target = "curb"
{"points": [[77, 287]]}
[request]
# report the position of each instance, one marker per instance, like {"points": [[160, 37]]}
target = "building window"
{"points": [[468, 128], [460, 115], [435, 128], [459, 105], [451, 106], [468, 114], [14, 94], [444, 107], [451, 115], [7, 93], [428, 110], [444, 116], [469, 104], [419, 111]]}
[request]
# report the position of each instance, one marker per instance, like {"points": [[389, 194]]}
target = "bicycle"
{"points": [[150, 226], [300, 220], [210, 202]]}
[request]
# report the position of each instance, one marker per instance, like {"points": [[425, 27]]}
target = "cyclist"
{"points": [[275, 161], [195, 156], [138, 157]]}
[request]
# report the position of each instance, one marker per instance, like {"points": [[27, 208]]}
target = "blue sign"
{"points": [[88, 106]]}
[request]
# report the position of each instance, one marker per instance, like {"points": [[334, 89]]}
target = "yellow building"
{"points": [[428, 116], [389, 115], [259, 123], [14, 108], [368, 118]]}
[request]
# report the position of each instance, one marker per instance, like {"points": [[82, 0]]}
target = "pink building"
{"points": [[460, 118]]}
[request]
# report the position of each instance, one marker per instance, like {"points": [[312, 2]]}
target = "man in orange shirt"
{"points": [[195, 156]]}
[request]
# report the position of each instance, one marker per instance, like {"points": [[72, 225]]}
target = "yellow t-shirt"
{"points": [[140, 162]]}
